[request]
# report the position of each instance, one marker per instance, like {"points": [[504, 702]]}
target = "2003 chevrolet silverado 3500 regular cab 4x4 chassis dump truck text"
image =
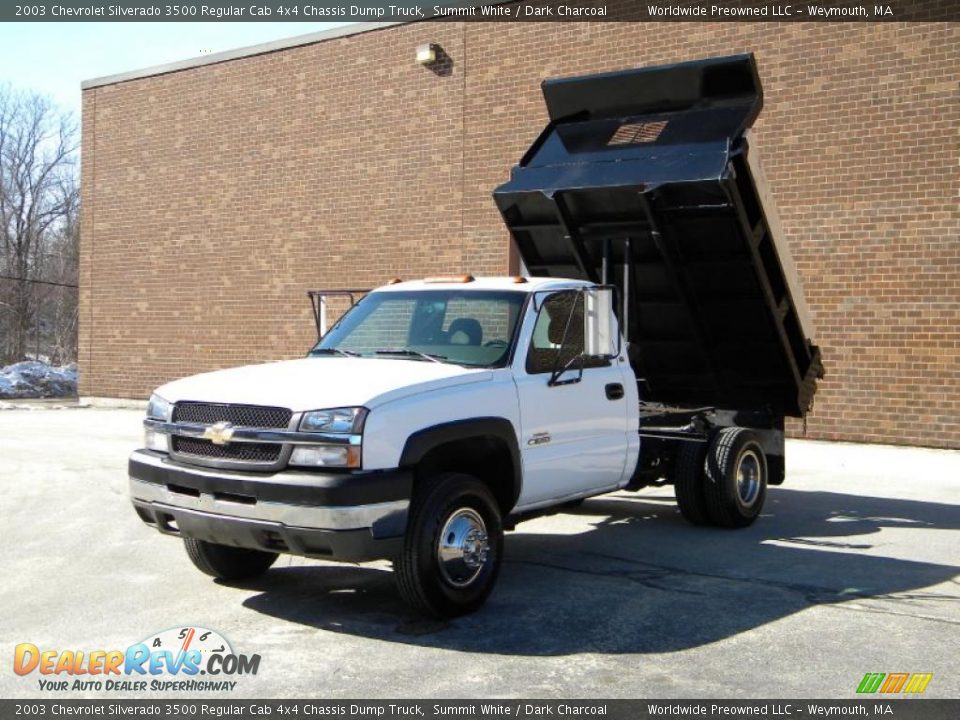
{"points": [[660, 337]]}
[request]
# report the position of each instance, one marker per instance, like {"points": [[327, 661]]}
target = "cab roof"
{"points": [[528, 285]]}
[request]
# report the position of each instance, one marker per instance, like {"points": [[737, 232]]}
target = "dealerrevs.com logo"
{"points": [[185, 659]]}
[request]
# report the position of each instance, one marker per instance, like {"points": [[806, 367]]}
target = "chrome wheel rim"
{"points": [[463, 547], [749, 470]]}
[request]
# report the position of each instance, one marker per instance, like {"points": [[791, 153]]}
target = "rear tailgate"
{"points": [[644, 178]]}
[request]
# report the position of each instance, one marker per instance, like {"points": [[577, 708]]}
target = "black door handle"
{"points": [[614, 391]]}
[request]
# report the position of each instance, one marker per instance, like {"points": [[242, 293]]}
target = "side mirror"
{"points": [[600, 328]]}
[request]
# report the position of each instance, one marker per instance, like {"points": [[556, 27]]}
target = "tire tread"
{"points": [[722, 454], [406, 566], [227, 563], [688, 482]]}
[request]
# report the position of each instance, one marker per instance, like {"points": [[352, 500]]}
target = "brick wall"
{"points": [[214, 197]]}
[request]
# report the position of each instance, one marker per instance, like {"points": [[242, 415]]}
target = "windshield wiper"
{"points": [[333, 351], [411, 353]]}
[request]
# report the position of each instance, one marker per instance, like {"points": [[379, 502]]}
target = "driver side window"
{"points": [[558, 335]]}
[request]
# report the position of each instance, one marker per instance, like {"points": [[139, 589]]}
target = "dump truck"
{"points": [[658, 336]]}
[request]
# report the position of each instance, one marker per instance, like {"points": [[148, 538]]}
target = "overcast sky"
{"points": [[53, 58]]}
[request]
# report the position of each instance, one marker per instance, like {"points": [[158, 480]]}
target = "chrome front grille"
{"points": [[199, 451], [240, 452], [240, 415]]}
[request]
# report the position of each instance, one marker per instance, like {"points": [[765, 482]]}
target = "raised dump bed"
{"points": [[645, 179]]}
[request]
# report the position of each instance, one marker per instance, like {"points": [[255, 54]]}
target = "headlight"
{"points": [[344, 456], [159, 409], [153, 440], [337, 420]]}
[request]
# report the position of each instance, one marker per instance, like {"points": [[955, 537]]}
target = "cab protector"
{"points": [[643, 178]]}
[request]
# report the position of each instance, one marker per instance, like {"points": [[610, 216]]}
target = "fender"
{"points": [[423, 441]]}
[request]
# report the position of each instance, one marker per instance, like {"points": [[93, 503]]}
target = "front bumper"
{"points": [[338, 516]]}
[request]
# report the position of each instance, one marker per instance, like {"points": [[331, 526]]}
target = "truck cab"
{"points": [[478, 386], [657, 337]]}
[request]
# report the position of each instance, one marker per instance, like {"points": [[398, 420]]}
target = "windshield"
{"points": [[472, 328]]}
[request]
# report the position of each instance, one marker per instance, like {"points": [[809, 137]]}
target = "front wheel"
{"points": [[227, 563], [735, 485], [453, 547]]}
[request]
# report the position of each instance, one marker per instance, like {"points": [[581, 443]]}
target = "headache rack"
{"points": [[318, 303], [645, 179]]}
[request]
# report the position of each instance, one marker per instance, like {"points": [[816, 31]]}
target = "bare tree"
{"points": [[38, 205], [57, 304]]}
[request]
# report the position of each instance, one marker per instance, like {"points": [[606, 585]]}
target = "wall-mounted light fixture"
{"points": [[427, 54]]}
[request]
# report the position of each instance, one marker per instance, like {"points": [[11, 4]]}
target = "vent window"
{"points": [[634, 133]]}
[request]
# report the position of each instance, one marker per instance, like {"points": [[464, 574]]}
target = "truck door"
{"points": [[573, 438]]}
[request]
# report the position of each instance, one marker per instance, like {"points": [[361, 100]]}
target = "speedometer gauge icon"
{"points": [[180, 640]]}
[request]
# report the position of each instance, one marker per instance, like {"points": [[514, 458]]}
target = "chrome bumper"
{"points": [[319, 518], [316, 501]]}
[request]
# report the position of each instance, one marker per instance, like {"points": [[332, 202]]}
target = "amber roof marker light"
{"points": [[450, 279]]}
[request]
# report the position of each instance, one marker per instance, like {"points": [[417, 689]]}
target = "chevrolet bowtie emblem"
{"points": [[219, 434]]}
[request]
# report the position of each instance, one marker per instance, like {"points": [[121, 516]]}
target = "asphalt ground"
{"points": [[853, 568]]}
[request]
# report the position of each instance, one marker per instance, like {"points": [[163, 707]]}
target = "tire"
{"points": [[735, 486], [688, 482], [227, 563], [460, 509]]}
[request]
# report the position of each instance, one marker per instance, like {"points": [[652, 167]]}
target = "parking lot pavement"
{"points": [[852, 569]]}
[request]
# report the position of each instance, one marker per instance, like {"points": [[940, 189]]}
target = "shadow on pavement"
{"points": [[640, 580]]}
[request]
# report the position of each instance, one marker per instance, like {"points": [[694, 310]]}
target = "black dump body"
{"points": [[642, 180]]}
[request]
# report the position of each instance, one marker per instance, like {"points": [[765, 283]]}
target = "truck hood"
{"points": [[321, 382]]}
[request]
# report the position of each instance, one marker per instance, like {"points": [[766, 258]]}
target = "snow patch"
{"points": [[33, 379]]}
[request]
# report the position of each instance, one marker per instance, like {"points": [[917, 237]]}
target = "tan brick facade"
{"points": [[214, 197]]}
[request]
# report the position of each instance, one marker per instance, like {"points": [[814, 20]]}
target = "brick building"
{"points": [[216, 192]]}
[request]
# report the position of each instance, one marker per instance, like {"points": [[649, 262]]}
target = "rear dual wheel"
{"points": [[688, 483], [723, 483]]}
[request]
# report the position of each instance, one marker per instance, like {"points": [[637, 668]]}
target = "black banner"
{"points": [[187, 709], [464, 10]]}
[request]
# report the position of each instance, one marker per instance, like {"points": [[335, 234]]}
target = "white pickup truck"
{"points": [[658, 337]]}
